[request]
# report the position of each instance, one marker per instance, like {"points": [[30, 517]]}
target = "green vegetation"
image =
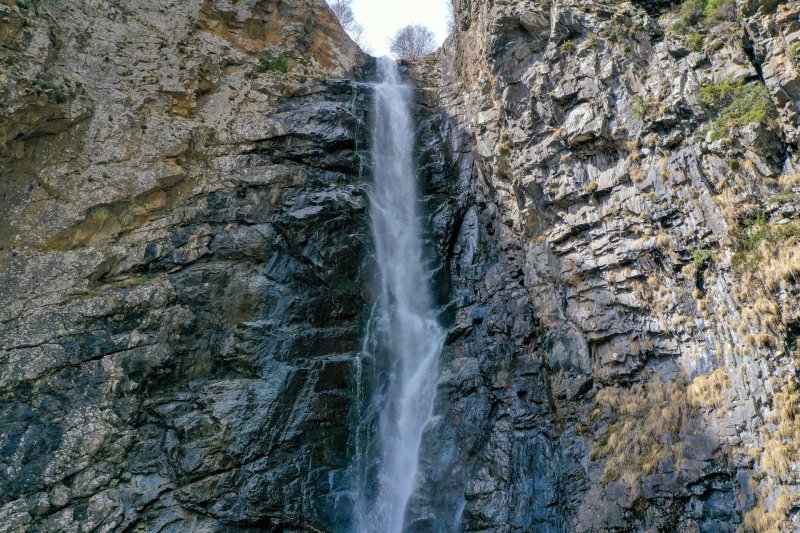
{"points": [[49, 87], [696, 13], [785, 197], [22, 4], [614, 32], [639, 107], [653, 197], [719, 10], [644, 107], [276, 64], [735, 105], [758, 238], [129, 283], [702, 257], [690, 15], [796, 51], [694, 41], [568, 47], [502, 164]]}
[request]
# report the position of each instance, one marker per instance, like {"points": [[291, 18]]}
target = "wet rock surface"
{"points": [[613, 364], [182, 265]]}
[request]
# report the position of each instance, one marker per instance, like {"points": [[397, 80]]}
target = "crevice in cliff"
{"points": [[749, 49], [748, 45]]}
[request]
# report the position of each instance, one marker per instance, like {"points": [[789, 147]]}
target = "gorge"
{"points": [[202, 281]]}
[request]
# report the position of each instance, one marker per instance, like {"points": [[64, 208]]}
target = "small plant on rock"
{"points": [[758, 241], [50, 88], [735, 105], [695, 42], [690, 15], [702, 257], [46, 86], [644, 107], [795, 52], [697, 13], [277, 64], [568, 47], [716, 10]]}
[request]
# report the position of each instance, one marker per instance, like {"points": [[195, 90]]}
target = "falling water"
{"points": [[405, 329]]}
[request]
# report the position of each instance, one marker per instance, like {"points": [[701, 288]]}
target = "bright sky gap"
{"points": [[382, 18]]}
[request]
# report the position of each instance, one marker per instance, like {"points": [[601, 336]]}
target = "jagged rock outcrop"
{"points": [[182, 264], [623, 251]]}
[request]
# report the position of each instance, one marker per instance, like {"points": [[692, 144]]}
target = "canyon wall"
{"points": [[182, 262], [623, 251], [613, 223]]}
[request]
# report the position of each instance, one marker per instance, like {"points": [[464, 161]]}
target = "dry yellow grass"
{"points": [[760, 520], [709, 390], [782, 446], [646, 421], [775, 263], [750, 167], [734, 204], [781, 450], [631, 145], [789, 181], [663, 171], [663, 240]]}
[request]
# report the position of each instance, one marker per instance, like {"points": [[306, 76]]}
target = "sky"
{"points": [[382, 18]]}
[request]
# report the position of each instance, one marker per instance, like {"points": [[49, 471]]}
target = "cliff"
{"points": [[185, 278], [623, 259], [181, 264]]}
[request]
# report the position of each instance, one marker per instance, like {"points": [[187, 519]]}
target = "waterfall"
{"points": [[404, 329]]}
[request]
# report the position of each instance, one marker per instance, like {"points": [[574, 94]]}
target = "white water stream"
{"points": [[406, 329]]}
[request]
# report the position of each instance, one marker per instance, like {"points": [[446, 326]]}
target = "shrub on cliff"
{"points": [[735, 105], [715, 10], [276, 64], [694, 13], [757, 242]]}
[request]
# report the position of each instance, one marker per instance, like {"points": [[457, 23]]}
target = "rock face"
{"points": [[612, 191], [621, 239], [181, 264]]}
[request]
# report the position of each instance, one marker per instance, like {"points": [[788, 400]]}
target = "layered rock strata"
{"points": [[182, 264], [623, 259]]}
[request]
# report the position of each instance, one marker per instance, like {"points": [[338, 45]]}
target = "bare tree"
{"points": [[413, 41], [343, 11], [451, 16]]}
